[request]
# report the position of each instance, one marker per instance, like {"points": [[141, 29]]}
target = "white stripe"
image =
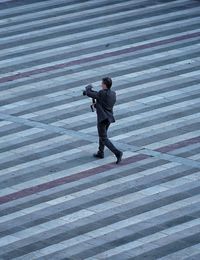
{"points": [[184, 253], [24, 133], [35, 147], [5, 123]]}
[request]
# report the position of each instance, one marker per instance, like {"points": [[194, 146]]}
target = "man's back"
{"points": [[105, 103]]}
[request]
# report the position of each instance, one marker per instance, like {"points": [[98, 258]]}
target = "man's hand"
{"points": [[89, 87], [90, 93]]}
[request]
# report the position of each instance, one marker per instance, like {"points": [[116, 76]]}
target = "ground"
{"points": [[56, 200]]}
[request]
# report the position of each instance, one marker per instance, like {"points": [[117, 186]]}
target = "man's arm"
{"points": [[91, 93]]}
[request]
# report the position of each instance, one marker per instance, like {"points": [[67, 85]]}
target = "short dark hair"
{"points": [[107, 81]]}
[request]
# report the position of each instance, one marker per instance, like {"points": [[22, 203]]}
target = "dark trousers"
{"points": [[103, 138]]}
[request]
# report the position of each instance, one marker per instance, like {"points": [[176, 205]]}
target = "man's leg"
{"points": [[102, 131], [104, 141]]}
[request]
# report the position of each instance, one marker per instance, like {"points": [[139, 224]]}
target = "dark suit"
{"points": [[105, 101]]}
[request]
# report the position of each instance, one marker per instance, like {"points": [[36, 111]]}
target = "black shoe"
{"points": [[98, 155], [119, 157]]}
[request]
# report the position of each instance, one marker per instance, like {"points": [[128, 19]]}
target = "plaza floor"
{"points": [[58, 202]]}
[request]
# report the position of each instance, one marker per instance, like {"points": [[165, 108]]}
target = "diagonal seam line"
{"points": [[98, 57], [67, 179], [158, 153]]}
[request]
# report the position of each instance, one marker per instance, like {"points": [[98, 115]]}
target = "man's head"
{"points": [[106, 83]]}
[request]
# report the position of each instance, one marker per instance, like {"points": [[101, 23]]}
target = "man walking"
{"points": [[105, 101]]}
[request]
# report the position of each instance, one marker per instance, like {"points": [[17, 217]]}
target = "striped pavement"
{"points": [[56, 200]]}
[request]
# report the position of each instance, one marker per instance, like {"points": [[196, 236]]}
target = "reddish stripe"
{"points": [[88, 173], [68, 179], [98, 57], [178, 145]]}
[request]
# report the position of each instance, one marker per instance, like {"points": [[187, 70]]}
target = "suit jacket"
{"points": [[105, 101]]}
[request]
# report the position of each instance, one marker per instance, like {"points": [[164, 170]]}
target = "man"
{"points": [[105, 101]]}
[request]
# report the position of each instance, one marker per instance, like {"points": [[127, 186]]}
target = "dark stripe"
{"points": [[178, 244]]}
